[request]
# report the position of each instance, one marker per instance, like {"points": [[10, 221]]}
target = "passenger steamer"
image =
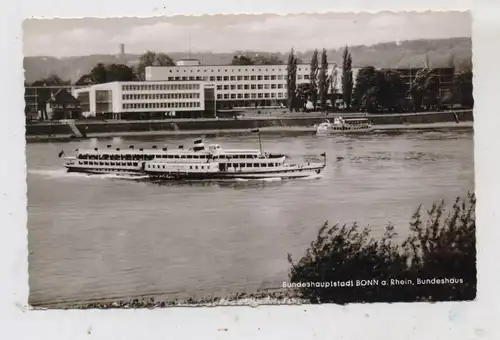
{"points": [[341, 125], [196, 163]]}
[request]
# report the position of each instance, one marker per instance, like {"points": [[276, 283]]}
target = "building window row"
{"points": [[237, 78], [248, 78], [163, 105], [197, 78], [147, 96], [185, 70], [230, 78], [250, 87], [271, 95], [160, 87]]}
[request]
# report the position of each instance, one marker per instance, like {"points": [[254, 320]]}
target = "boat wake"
{"points": [[312, 177], [272, 179], [56, 173], [62, 174]]}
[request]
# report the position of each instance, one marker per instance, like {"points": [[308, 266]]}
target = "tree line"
{"points": [[102, 73], [435, 262], [105, 73], [373, 90], [240, 59]]}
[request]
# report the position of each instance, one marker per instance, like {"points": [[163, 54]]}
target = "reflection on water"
{"points": [[105, 236]]}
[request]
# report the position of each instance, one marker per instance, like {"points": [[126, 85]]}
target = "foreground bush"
{"points": [[436, 262]]}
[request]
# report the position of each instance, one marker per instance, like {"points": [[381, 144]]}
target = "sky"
{"points": [[229, 33]]}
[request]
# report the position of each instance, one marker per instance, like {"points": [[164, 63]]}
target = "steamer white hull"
{"points": [[197, 163]]}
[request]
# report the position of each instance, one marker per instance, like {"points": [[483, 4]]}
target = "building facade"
{"points": [[149, 99], [240, 86]]}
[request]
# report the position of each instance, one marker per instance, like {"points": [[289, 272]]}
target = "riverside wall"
{"points": [[290, 120]]}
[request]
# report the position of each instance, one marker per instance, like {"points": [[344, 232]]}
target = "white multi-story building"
{"points": [[154, 98], [190, 89], [240, 85]]}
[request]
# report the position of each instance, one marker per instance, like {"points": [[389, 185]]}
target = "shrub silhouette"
{"points": [[436, 249]]}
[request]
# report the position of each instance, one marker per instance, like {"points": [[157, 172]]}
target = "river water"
{"points": [[101, 237]]}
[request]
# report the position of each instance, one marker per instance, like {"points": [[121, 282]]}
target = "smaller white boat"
{"points": [[341, 125]]}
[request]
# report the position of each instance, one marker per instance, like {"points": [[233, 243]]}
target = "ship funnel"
{"points": [[198, 145]]}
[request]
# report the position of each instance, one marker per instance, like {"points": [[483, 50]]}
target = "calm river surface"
{"points": [[99, 237]]}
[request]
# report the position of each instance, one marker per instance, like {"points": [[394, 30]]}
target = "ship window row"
{"points": [[191, 167], [144, 96], [205, 156], [238, 156], [251, 95], [161, 105], [250, 86], [160, 87], [161, 156], [108, 163], [355, 127], [116, 157], [252, 165]]}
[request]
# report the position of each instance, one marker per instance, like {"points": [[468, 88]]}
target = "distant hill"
{"points": [[441, 53]]}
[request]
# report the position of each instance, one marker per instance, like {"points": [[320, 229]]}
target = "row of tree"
{"points": [[322, 85], [119, 72], [385, 90], [375, 90], [104, 73]]}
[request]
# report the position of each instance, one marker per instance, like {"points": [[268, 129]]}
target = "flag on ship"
{"points": [[323, 154], [255, 130], [61, 153]]}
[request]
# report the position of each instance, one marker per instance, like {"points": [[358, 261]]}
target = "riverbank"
{"points": [[96, 128], [272, 130], [278, 297]]}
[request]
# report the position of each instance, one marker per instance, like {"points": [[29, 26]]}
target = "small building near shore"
{"points": [[147, 100], [62, 105]]}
